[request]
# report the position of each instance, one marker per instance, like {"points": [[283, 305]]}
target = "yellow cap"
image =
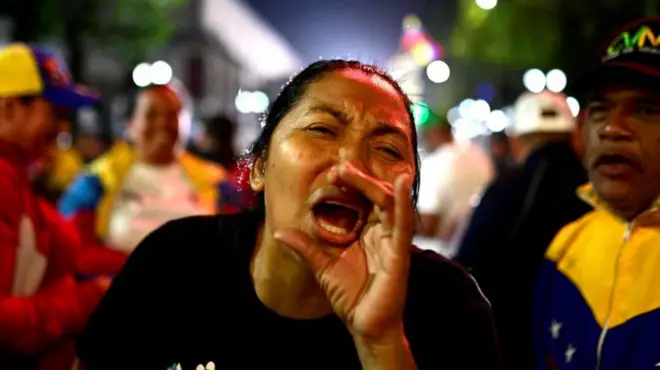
{"points": [[19, 72]]}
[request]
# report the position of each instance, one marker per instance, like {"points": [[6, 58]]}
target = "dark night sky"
{"points": [[368, 30]]}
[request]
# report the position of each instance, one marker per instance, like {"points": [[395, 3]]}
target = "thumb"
{"points": [[305, 246]]}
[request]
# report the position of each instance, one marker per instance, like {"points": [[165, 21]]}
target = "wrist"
{"points": [[388, 351]]}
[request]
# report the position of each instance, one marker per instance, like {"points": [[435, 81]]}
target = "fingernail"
{"points": [[277, 235]]}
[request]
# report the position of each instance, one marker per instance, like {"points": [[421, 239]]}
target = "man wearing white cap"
{"points": [[520, 213]]}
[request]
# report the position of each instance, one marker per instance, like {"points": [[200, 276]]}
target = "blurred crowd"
{"points": [[556, 218]]}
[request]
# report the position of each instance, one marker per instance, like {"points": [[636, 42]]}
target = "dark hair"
{"points": [[295, 89], [222, 130]]}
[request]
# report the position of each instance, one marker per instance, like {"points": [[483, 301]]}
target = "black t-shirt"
{"points": [[186, 297]]}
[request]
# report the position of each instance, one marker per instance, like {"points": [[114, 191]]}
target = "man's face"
{"points": [[622, 147], [33, 124], [155, 125]]}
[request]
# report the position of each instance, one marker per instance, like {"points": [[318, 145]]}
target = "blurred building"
{"points": [[218, 47]]}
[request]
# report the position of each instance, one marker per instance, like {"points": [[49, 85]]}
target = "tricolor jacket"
{"points": [[598, 300], [90, 199]]}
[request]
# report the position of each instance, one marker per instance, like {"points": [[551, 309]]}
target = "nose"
{"points": [[616, 127], [355, 153]]}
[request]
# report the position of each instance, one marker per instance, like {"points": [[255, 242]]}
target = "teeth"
{"points": [[332, 228], [341, 204]]}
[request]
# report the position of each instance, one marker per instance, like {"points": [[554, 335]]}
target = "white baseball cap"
{"points": [[541, 112]]}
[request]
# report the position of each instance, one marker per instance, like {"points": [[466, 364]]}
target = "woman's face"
{"points": [[344, 116]]}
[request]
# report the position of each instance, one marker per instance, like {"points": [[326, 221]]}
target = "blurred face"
{"points": [[32, 124], [621, 133], [154, 127], [435, 136], [499, 148], [90, 146], [344, 116]]}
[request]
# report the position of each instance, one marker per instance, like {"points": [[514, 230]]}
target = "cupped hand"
{"points": [[367, 283]]}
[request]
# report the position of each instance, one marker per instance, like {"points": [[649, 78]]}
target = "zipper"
{"points": [[603, 333]]}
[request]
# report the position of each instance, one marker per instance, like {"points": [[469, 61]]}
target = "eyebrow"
{"points": [[638, 99], [383, 128], [334, 112]]}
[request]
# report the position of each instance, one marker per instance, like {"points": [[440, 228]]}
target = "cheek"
{"points": [[389, 172], [650, 145], [293, 171], [41, 128], [589, 143]]}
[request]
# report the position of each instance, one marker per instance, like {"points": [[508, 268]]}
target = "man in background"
{"points": [[500, 152], [452, 174], [139, 185], [598, 303], [41, 304], [520, 213]]}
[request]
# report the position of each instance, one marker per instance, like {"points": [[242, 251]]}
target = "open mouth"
{"points": [[338, 221], [616, 164]]}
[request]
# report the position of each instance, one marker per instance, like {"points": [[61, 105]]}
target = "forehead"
{"points": [[623, 92], [159, 96], [357, 90]]}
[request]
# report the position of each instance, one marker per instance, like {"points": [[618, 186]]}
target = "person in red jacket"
{"points": [[41, 303]]}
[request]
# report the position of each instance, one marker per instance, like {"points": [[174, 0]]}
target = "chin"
{"points": [[614, 192]]}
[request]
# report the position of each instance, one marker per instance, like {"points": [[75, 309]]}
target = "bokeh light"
{"points": [[251, 102], [573, 105], [423, 53], [421, 113], [534, 80], [438, 71], [485, 91], [161, 73], [410, 38], [142, 74], [411, 22], [556, 80], [497, 121], [453, 115], [479, 110], [486, 4], [467, 129], [464, 107]]}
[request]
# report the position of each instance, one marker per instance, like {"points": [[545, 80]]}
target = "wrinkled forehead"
{"points": [[357, 91]]}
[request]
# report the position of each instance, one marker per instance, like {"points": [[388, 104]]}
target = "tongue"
{"points": [[336, 215]]}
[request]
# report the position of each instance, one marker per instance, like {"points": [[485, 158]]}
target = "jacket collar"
{"points": [[650, 216]]}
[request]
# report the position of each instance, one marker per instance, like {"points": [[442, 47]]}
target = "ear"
{"points": [[257, 174]]}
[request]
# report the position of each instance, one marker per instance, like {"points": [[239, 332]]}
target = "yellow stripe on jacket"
{"points": [[113, 167], [614, 264]]}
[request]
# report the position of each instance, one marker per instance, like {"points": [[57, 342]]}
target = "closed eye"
{"points": [[322, 130], [597, 110], [391, 152]]}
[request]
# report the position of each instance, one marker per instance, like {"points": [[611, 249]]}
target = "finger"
{"points": [[306, 247], [403, 214], [379, 192]]}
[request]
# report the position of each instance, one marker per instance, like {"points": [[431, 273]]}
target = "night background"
{"points": [[216, 47]]}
